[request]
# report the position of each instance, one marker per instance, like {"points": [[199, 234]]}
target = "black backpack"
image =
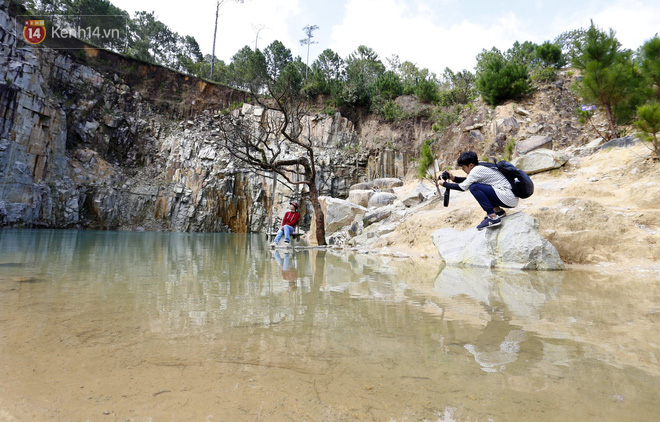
{"points": [[521, 184]]}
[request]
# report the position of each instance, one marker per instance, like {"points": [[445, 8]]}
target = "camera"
{"points": [[445, 176]]}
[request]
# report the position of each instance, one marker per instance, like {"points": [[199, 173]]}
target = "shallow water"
{"points": [[175, 326]]}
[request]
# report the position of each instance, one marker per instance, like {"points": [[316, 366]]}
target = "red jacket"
{"points": [[290, 218]]}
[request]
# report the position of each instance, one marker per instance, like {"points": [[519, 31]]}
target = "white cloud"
{"points": [[431, 33], [633, 21], [391, 27]]}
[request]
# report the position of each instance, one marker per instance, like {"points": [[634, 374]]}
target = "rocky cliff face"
{"points": [[92, 139]]}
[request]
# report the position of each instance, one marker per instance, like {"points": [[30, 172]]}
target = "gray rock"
{"points": [[505, 126], [339, 213], [417, 196], [516, 244], [477, 136], [624, 142], [387, 183], [532, 143], [360, 196], [540, 160], [381, 199], [362, 186], [376, 216]]}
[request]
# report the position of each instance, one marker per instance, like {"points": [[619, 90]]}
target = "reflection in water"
{"points": [[492, 361], [216, 326], [523, 293]]}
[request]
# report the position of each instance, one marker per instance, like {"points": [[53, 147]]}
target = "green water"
{"points": [[217, 327]]}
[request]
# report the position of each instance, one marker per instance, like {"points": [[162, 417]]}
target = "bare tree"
{"points": [[257, 29], [215, 30], [309, 30], [278, 142]]}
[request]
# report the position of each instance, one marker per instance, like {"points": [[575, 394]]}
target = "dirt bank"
{"points": [[601, 209]]}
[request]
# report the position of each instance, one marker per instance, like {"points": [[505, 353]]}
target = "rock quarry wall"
{"points": [[92, 139]]}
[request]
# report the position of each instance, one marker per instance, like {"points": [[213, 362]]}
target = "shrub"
{"points": [[543, 74], [427, 92], [509, 149], [444, 117], [389, 85], [648, 121], [392, 111], [499, 79]]}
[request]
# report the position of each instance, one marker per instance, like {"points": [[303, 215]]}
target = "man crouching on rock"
{"points": [[488, 186], [288, 225]]}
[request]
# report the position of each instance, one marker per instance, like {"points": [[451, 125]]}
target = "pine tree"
{"points": [[649, 123], [610, 80], [426, 162]]}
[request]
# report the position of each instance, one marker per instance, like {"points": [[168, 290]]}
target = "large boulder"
{"points": [[540, 160], [516, 243], [361, 186], [381, 199], [339, 213], [387, 183], [624, 142], [506, 126], [360, 196], [379, 184], [377, 215], [532, 143], [417, 196]]}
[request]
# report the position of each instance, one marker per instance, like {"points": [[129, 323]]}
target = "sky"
{"points": [[433, 34]]}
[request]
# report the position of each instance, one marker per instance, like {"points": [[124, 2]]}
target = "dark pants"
{"points": [[486, 197]]}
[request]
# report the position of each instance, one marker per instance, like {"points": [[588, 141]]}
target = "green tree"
{"points": [[458, 88], [648, 121], [151, 40], [277, 58], [327, 74], [427, 91], [412, 76], [388, 85], [523, 53], [550, 54], [188, 55], [247, 69], [570, 43], [426, 163], [609, 78], [499, 79], [650, 66], [363, 67]]}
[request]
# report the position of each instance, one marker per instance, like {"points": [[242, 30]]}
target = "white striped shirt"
{"points": [[492, 177]]}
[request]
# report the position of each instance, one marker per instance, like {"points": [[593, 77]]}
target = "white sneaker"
{"points": [[273, 244]]}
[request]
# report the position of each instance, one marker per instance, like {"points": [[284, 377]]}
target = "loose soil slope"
{"points": [[599, 209]]}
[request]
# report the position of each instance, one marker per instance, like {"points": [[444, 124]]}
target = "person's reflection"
{"points": [[288, 270], [497, 346]]}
